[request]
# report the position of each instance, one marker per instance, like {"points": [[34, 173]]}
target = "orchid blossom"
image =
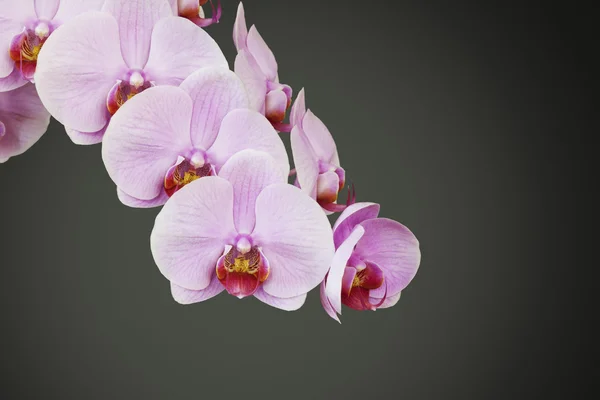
{"points": [[23, 121], [375, 259], [245, 231], [24, 27], [317, 164], [166, 137], [99, 60], [256, 65], [192, 10]]}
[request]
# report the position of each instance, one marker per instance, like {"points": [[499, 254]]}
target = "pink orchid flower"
{"points": [[167, 137], [256, 65], [24, 27], [318, 170], [192, 10], [23, 121], [246, 231], [375, 259], [100, 59]]}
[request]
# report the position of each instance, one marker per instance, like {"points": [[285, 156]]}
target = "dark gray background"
{"points": [[457, 118]]}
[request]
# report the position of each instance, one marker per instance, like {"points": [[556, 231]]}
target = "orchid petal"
{"points": [[326, 303], [394, 249], [180, 48], [298, 109], [320, 139], [46, 9], [71, 8], [240, 31], [191, 231], [23, 121], [389, 301], [86, 138], [215, 91], [295, 236], [131, 201], [186, 296], [254, 80], [289, 304], [19, 10], [8, 29], [352, 215], [262, 54], [333, 283], [77, 67], [136, 20], [305, 161], [250, 172], [145, 138], [13, 81], [246, 129]]}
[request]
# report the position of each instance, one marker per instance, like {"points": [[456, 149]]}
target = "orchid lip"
{"points": [[25, 47], [357, 283], [125, 90], [242, 273], [185, 171]]}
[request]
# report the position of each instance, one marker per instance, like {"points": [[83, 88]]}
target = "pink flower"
{"points": [[97, 61], [316, 159], [375, 259], [256, 65], [24, 27], [167, 137], [246, 231], [23, 121], [192, 10]]}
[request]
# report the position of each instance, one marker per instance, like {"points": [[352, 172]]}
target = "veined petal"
{"points": [[262, 53], [19, 10], [77, 67], [131, 201], [298, 110], [13, 81], [352, 215], [46, 9], [289, 304], [388, 302], [8, 29], [246, 129], [394, 249], [23, 119], [145, 138], [192, 230], [186, 296], [215, 91], [333, 282], [254, 80], [250, 172], [71, 8], [305, 161], [178, 49], [240, 31], [86, 138], [320, 139], [136, 20], [295, 236]]}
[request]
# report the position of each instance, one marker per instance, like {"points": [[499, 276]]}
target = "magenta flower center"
{"points": [[357, 284], [242, 269], [125, 90], [186, 171], [25, 47]]}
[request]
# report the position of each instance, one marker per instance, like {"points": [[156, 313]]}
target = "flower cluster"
{"points": [[179, 128]]}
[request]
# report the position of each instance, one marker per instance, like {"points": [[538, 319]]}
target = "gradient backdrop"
{"points": [[453, 117]]}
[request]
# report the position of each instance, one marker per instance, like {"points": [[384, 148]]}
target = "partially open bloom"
{"points": [[246, 231], [375, 259], [316, 159], [23, 121], [167, 137], [100, 59], [194, 11], [24, 27], [256, 65]]}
